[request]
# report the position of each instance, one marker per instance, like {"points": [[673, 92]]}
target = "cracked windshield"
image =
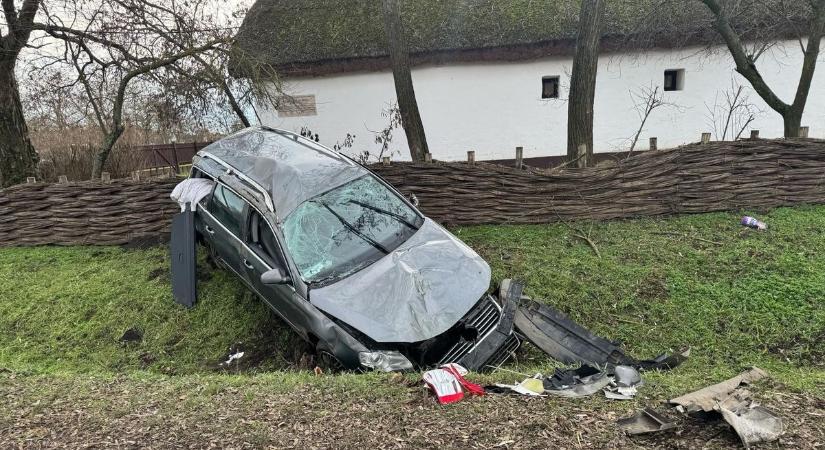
{"points": [[348, 228]]}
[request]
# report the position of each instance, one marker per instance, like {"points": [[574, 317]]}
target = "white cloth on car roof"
{"points": [[191, 190]]}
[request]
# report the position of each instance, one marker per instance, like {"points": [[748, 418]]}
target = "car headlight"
{"points": [[387, 361]]}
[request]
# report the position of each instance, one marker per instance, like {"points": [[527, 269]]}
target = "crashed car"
{"points": [[346, 260]]}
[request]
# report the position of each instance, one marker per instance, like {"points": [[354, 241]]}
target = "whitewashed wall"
{"points": [[493, 107]]}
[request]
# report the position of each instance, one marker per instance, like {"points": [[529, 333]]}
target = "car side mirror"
{"points": [[274, 277]]}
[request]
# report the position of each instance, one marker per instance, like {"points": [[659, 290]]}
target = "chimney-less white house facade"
{"points": [[492, 105]]}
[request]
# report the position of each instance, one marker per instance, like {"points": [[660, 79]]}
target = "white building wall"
{"points": [[493, 107]]}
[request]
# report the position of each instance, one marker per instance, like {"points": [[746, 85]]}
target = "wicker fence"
{"points": [[695, 178]]}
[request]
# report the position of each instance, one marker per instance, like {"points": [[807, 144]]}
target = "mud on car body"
{"points": [[345, 259]]}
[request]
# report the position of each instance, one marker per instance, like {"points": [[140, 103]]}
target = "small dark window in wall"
{"points": [[550, 87], [674, 80]]}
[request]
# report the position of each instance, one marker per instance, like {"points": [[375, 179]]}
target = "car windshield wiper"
{"points": [[352, 228], [395, 216]]}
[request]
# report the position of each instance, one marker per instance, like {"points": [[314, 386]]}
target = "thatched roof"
{"points": [[314, 37]]}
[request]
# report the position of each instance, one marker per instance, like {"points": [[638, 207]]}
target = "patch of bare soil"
{"points": [[82, 412]]}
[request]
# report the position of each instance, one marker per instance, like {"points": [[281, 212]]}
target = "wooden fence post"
{"points": [[385, 160], [175, 157], [519, 157], [705, 138], [654, 143], [754, 134], [62, 179], [31, 180], [581, 162], [471, 157], [105, 177], [428, 157], [803, 131], [136, 175]]}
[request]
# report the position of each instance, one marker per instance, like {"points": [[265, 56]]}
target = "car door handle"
{"points": [[248, 264], [209, 229]]}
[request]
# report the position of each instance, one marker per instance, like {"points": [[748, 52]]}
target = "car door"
{"points": [[223, 219], [261, 253]]}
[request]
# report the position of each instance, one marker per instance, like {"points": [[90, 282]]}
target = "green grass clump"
{"points": [[738, 297]]}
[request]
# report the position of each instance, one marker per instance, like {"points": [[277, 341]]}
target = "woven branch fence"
{"points": [[695, 178]]}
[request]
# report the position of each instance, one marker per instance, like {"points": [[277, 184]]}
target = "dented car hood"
{"points": [[416, 292]]}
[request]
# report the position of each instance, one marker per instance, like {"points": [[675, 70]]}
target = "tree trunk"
{"points": [[400, 59], [583, 84], [793, 122], [18, 159], [103, 153]]}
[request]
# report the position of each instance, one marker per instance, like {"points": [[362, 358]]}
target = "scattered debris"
{"points": [[449, 385], [645, 421], [233, 357], [132, 335], [625, 381], [564, 340], [533, 386], [707, 398], [583, 387], [752, 422], [752, 222], [664, 361]]}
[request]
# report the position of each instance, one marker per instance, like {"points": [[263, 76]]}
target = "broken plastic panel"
{"points": [[182, 253], [645, 421], [564, 340]]}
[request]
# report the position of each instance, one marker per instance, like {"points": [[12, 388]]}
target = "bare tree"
{"points": [[399, 57], [18, 159], [583, 83], [799, 15], [173, 54], [645, 101], [731, 113]]}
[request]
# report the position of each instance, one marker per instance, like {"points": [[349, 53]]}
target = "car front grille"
{"points": [[483, 318], [504, 353]]}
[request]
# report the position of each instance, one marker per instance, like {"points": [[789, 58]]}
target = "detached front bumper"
{"points": [[499, 344]]}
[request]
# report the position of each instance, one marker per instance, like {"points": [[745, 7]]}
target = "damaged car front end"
{"points": [[345, 259]]}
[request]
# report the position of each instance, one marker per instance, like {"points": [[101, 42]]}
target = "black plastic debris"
{"points": [[664, 361], [645, 421], [132, 335], [182, 252], [574, 383], [561, 338]]}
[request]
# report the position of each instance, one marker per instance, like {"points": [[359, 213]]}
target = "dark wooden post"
{"points": [[385, 160], [654, 143], [803, 131], [471, 157], [428, 157], [705, 138], [175, 157], [519, 157], [754, 134]]}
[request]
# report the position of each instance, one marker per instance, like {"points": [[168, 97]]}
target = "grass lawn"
{"points": [[738, 297]]}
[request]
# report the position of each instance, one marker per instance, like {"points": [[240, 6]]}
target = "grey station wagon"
{"points": [[345, 259]]}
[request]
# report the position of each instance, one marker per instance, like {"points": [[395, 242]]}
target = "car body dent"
{"points": [[418, 291]]}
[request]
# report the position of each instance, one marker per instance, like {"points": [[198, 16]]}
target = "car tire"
{"points": [[327, 361]]}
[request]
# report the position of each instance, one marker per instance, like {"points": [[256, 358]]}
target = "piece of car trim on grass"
{"points": [[706, 399], [561, 338], [645, 421], [182, 253], [753, 423]]}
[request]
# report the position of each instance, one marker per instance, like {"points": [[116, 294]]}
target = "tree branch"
{"points": [[744, 64]]}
